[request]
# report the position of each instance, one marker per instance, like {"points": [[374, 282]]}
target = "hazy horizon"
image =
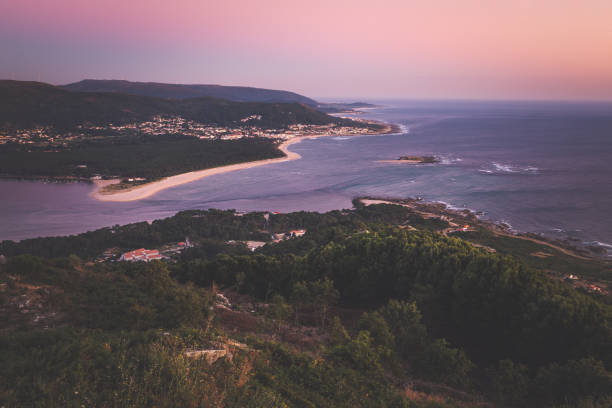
{"points": [[355, 98], [546, 50]]}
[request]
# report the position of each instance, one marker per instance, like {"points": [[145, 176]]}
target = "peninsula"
{"points": [[137, 143], [118, 190]]}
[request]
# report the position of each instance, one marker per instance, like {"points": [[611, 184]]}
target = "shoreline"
{"points": [[149, 189], [434, 209]]}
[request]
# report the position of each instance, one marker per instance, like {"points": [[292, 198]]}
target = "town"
{"points": [[176, 125], [168, 251]]}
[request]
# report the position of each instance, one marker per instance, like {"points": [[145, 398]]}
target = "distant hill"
{"points": [[180, 91], [27, 104]]}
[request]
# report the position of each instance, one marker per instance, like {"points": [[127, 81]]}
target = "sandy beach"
{"points": [[149, 189]]}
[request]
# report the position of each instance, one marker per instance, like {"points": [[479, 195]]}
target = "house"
{"points": [[144, 255], [297, 233], [253, 245], [185, 244], [153, 257], [278, 237]]}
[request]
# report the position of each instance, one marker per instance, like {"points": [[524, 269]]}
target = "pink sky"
{"points": [[500, 49]]}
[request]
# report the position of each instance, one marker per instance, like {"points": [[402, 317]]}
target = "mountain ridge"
{"points": [[185, 91], [26, 104]]}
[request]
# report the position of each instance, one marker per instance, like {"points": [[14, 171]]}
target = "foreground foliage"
{"points": [[435, 321]]}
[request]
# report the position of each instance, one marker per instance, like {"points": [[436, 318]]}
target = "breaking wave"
{"points": [[500, 168]]}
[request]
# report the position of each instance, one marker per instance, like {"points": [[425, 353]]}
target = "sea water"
{"points": [[541, 167]]}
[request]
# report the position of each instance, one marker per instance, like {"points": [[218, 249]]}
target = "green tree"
{"points": [[240, 278], [359, 353], [441, 362], [280, 311], [509, 382], [404, 319], [378, 328], [300, 297], [338, 334], [573, 381], [323, 295]]}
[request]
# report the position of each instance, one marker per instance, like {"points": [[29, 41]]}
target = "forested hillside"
{"points": [[371, 307], [29, 104]]}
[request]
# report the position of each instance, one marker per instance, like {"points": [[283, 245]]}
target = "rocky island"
{"points": [[419, 159], [413, 160]]}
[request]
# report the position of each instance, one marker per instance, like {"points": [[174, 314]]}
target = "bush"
{"points": [[404, 320], [573, 381], [440, 362], [509, 382], [378, 328]]}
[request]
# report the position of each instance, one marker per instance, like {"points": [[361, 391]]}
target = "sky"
{"points": [[475, 49]]}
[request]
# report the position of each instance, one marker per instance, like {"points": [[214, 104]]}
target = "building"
{"points": [[253, 245], [185, 244], [144, 255], [297, 233]]}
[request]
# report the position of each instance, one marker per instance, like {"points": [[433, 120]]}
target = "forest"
{"points": [[31, 104], [360, 311], [150, 157]]}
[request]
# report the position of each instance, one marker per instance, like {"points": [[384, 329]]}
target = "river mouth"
{"points": [[543, 168]]}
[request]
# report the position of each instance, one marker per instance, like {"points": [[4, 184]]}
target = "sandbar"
{"points": [[147, 190]]}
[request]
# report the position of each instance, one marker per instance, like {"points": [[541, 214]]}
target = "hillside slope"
{"points": [[28, 104], [183, 91], [360, 311]]}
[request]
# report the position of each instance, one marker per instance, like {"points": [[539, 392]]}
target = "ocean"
{"points": [[541, 167]]}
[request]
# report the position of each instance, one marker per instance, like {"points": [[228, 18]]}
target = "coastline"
{"points": [[430, 209], [147, 190]]}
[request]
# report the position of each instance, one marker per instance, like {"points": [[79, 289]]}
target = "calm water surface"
{"points": [[541, 167]]}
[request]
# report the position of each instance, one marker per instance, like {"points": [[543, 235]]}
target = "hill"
{"points": [[50, 132], [183, 91], [230, 93], [360, 311], [29, 104]]}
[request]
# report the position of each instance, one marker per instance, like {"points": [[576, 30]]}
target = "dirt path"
{"points": [[548, 244], [494, 231]]}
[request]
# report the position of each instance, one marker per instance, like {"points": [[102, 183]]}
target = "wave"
{"points": [[507, 225], [601, 244], [449, 160], [404, 129], [456, 208], [501, 168]]}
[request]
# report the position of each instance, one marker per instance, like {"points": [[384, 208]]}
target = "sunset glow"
{"points": [[401, 49]]}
